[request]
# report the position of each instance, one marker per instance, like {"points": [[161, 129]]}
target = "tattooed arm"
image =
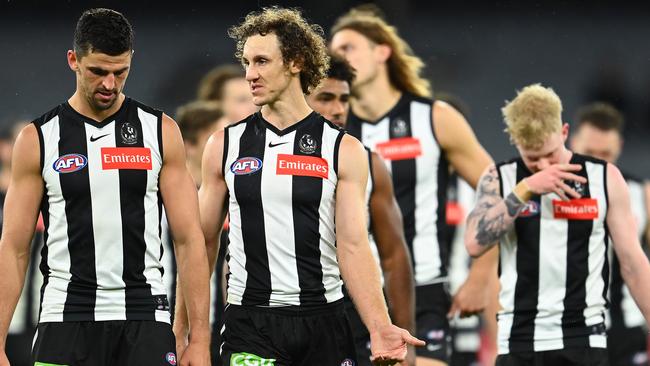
{"points": [[492, 216]]}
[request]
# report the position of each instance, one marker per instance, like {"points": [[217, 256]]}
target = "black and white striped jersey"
{"points": [[553, 265], [102, 210], [623, 311], [405, 138], [282, 187]]}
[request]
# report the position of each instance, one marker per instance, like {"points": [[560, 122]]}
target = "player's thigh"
{"points": [[146, 343], [71, 344]]}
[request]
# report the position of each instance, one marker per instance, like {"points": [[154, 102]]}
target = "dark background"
{"points": [[480, 51]]}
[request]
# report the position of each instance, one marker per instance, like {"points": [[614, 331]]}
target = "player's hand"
{"points": [[388, 345], [4, 361], [552, 179], [196, 354], [470, 299]]}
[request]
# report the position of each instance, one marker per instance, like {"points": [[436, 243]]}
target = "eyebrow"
{"points": [[99, 70]]}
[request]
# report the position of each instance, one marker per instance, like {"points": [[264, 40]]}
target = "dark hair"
{"points": [[300, 42], [196, 116], [102, 30], [600, 115], [212, 84], [340, 69]]}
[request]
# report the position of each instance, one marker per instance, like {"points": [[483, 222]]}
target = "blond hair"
{"points": [[404, 66], [533, 116]]}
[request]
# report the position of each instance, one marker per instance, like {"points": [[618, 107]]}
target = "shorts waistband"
{"points": [[292, 310]]}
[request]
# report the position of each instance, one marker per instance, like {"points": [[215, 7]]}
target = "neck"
{"points": [[79, 104], [287, 110], [375, 98]]}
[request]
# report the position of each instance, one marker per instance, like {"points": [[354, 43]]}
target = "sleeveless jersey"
{"points": [[553, 265], [282, 187], [102, 208], [405, 138]]}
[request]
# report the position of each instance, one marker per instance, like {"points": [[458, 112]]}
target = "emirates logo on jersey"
{"points": [[306, 166], [400, 149], [138, 158], [576, 209]]}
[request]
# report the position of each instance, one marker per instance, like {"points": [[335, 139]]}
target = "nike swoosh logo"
{"points": [[278, 144], [93, 138]]}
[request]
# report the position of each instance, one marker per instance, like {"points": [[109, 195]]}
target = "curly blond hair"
{"points": [[300, 42], [533, 116], [404, 67]]}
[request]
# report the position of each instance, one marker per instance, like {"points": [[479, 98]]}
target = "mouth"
{"points": [[255, 88], [105, 95]]}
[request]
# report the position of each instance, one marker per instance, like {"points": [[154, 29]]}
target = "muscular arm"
{"points": [[20, 215], [358, 268], [180, 200], [635, 268], [212, 207], [389, 235], [492, 217], [646, 233]]}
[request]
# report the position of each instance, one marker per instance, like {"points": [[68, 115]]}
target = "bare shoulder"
{"points": [[27, 148], [352, 157]]}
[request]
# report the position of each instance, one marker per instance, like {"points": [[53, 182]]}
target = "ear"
{"points": [[295, 66], [73, 62], [565, 131], [383, 52]]}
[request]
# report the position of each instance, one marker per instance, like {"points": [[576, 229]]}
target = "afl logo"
{"points": [[171, 358], [531, 209], [70, 163], [245, 166]]}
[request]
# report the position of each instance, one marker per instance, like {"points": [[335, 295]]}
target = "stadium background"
{"points": [[479, 51]]}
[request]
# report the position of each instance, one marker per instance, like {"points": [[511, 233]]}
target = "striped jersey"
{"points": [[553, 265], [102, 209], [623, 312], [405, 138], [282, 186]]}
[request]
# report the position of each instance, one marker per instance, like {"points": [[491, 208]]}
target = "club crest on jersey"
{"points": [[347, 362], [171, 358], [399, 129], [128, 133], [576, 209], [531, 209], [245, 166], [307, 144], [70, 163], [249, 359]]}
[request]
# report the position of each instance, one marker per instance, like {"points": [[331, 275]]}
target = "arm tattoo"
{"points": [[491, 225], [514, 205]]}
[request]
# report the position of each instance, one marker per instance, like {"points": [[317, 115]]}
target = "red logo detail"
{"points": [[400, 149], [455, 213], [126, 158], [576, 209], [307, 166]]}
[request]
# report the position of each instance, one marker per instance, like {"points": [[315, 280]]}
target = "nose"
{"points": [[543, 164], [251, 73], [109, 82]]}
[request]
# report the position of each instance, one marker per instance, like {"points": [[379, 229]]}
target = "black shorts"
{"points": [[360, 334], [569, 357], [627, 347], [105, 343], [287, 336], [432, 302]]}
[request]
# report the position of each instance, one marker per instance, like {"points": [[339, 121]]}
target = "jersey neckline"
{"points": [[287, 130], [401, 101], [93, 122]]}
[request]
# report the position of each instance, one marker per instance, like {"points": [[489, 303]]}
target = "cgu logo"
{"points": [[245, 166], [69, 163]]}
